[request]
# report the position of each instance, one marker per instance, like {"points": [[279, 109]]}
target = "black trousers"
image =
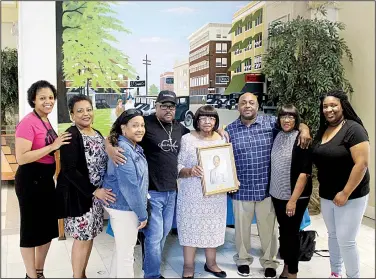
{"points": [[289, 228]]}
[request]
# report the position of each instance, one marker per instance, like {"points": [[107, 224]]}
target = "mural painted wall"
{"points": [[118, 50]]}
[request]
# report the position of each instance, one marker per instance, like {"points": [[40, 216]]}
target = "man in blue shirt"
{"points": [[252, 138]]}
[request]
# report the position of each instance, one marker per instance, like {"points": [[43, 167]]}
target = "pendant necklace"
{"points": [[168, 133]]}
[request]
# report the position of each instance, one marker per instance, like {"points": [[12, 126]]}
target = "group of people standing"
{"points": [[147, 166]]}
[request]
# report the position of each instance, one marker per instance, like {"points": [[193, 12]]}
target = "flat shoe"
{"points": [[220, 274]]}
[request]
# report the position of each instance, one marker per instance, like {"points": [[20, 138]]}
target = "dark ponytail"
{"points": [[123, 119]]}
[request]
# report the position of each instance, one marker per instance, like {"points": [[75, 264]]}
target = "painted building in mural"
{"points": [[167, 81], [9, 24], [181, 78], [248, 42], [209, 59]]}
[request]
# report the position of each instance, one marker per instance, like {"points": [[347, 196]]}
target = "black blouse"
{"points": [[334, 161]]}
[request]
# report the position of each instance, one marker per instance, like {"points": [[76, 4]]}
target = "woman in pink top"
{"points": [[36, 143]]}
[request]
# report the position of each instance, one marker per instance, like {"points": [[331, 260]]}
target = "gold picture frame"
{"points": [[219, 169]]}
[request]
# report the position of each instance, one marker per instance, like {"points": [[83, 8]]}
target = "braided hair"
{"points": [[348, 111], [123, 119]]}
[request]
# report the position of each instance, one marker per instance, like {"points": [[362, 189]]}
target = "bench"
{"points": [[3, 141], [9, 164], [7, 172], [6, 150]]}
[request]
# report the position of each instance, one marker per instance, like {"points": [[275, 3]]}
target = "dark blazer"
{"points": [[301, 162], [74, 189]]}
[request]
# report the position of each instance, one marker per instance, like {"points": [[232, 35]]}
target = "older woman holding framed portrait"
{"points": [[201, 219]]}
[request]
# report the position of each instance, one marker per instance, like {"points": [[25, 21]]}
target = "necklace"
{"points": [[339, 124], [329, 134], [168, 134]]}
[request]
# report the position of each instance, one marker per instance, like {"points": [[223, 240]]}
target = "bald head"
{"points": [[248, 96], [248, 106]]}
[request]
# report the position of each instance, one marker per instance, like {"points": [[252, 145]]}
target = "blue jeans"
{"points": [[162, 205], [343, 225]]}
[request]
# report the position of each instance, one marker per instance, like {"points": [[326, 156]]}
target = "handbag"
{"points": [[307, 246]]}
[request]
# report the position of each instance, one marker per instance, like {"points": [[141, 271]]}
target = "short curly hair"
{"points": [[35, 87], [78, 98]]}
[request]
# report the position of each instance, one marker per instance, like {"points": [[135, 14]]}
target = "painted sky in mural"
{"points": [[160, 29]]}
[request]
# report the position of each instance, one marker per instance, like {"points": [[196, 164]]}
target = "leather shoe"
{"points": [[220, 274]]}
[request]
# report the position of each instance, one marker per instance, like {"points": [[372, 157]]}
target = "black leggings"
{"points": [[289, 228]]}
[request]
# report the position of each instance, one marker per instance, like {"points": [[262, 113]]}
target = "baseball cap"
{"points": [[166, 96]]}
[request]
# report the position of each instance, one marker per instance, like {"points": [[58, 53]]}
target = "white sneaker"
{"points": [[335, 275]]}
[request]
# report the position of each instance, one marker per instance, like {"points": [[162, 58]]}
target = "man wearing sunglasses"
{"points": [[161, 145]]}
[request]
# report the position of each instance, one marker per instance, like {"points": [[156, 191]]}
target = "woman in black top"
{"points": [[341, 153], [83, 165], [290, 186]]}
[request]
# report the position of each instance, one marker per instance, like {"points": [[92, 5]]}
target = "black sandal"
{"points": [[40, 273]]}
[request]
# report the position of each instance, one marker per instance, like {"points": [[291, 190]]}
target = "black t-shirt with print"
{"points": [[161, 154], [334, 162]]}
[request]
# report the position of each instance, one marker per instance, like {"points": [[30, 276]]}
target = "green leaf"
{"points": [[89, 48], [304, 60]]}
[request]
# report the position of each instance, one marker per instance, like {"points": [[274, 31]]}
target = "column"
{"points": [[36, 50]]}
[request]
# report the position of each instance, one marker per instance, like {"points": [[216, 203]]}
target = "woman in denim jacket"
{"points": [[129, 182]]}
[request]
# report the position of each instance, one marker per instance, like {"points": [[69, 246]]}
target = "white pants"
{"points": [[124, 225], [343, 224]]}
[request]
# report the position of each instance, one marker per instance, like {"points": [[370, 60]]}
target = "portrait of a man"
{"points": [[219, 169], [217, 174]]}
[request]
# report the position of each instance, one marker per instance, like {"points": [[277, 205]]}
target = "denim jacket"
{"points": [[129, 182]]}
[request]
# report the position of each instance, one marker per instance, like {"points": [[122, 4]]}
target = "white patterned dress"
{"points": [[201, 220], [89, 225]]}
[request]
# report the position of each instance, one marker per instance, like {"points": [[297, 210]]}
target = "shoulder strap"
{"points": [[44, 124], [317, 253]]}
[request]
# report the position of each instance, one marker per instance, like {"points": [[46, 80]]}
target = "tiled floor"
{"points": [[58, 260]]}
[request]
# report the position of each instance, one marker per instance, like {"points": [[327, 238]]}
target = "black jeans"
{"points": [[289, 228]]}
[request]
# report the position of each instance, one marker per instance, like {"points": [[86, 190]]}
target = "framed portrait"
{"points": [[219, 169]]}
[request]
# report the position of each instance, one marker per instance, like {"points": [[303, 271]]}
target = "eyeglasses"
{"points": [[165, 107], [206, 119], [287, 117]]}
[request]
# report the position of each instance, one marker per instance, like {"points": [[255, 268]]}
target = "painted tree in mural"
{"points": [[153, 90], [88, 54]]}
